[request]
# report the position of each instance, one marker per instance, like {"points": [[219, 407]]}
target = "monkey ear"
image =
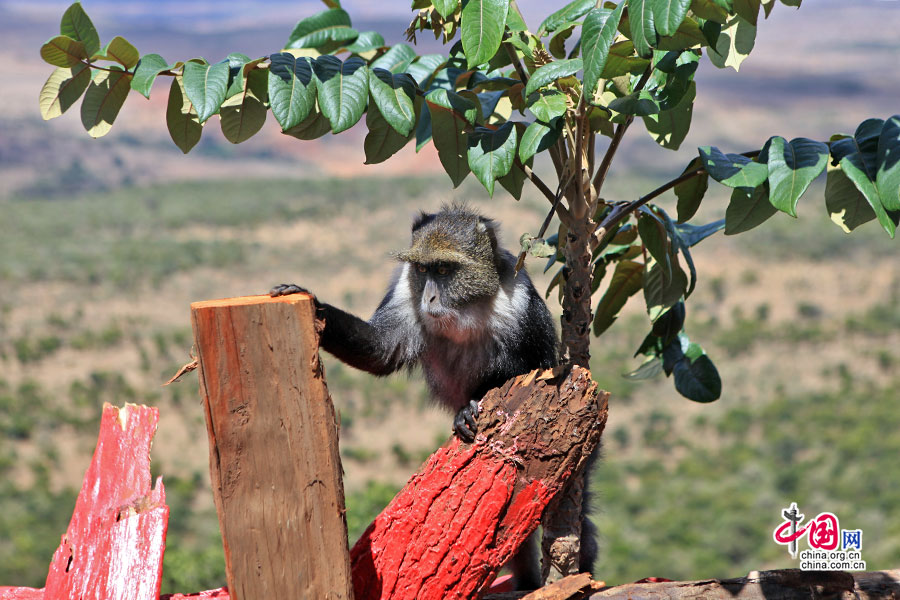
{"points": [[422, 219], [488, 226]]}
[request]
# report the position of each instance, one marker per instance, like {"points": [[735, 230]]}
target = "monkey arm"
{"points": [[356, 342]]}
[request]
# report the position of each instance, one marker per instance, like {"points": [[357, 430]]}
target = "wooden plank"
{"points": [[470, 507], [274, 462], [114, 545], [784, 584]]}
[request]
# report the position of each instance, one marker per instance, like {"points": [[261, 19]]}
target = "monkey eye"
{"points": [[422, 268], [442, 270]]}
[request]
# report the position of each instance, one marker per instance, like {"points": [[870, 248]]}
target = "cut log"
{"points": [[114, 545], [274, 462], [785, 584], [469, 508]]}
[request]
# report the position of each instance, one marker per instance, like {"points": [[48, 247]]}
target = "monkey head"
{"points": [[452, 268]]}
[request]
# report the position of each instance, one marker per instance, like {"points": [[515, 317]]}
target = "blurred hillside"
{"points": [[104, 243]]}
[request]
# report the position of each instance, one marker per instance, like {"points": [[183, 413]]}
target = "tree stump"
{"points": [[470, 507], [274, 461]]}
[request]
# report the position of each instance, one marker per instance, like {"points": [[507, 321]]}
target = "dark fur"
{"points": [[484, 325]]}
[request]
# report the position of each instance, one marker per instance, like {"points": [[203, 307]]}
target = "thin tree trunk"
{"points": [[561, 545]]}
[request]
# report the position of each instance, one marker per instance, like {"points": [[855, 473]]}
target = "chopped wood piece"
{"points": [[470, 507], [114, 545], [273, 439]]}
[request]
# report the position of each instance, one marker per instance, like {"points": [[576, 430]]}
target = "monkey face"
{"points": [[443, 304]]}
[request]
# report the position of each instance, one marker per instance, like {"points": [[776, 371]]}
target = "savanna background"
{"points": [[105, 243]]}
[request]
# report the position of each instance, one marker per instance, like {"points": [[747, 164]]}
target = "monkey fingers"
{"points": [[464, 422], [285, 289]]}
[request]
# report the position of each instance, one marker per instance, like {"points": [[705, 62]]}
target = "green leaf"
{"points": [[547, 105], [668, 14], [63, 51], [887, 178], [688, 35], [395, 60], [491, 153], [366, 42], [640, 104], [342, 90], [514, 181], [691, 235], [695, 375], [331, 25], [395, 96], [854, 167], [206, 85], [450, 115], [62, 89], [669, 324], [445, 8], [537, 247], [748, 9], [549, 73], [858, 159], [181, 117], [748, 208], [382, 141], [792, 167], [662, 291], [642, 27], [481, 29], [649, 369], [597, 35], [708, 9], [236, 62], [846, 205], [423, 68], [557, 45], [734, 43], [77, 25], [245, 113], [653, 236], [669, 127], [103, 99], [621, 61], [148, 68], [292, 88], [119, 50], [690, 193], [733, 170], [537, 137], [626, 281], [570, 12], [314, 126]]}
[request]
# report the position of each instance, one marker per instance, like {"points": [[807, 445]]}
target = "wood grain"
{"points": [[274, 461]]}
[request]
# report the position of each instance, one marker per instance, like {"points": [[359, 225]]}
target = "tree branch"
{"points": [[621, 211], [600, 176], [564, 214], [517, 64]]}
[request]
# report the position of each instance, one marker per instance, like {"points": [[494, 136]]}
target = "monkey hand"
{"points": [[464, 422], [285, 289]]}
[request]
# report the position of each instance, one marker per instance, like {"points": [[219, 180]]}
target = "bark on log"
{"points": [[467, 510], [274, 462], [785, 584]]}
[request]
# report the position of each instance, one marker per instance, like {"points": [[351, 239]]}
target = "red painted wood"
{"points": [[20, 593], [449, 531], [114, 545], [219, 594], [459, 519]]}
